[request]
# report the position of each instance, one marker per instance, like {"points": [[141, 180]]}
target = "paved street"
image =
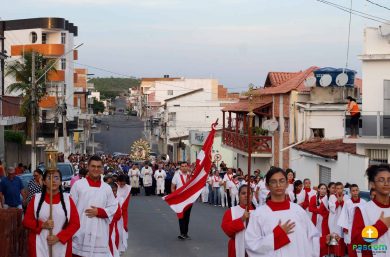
{"points": [[153, 230], [124, 130]]}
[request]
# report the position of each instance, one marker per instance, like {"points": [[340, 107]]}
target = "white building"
{"points": [[53, 38], [374, 140]]}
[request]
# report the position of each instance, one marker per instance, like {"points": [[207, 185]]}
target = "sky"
{"points": [[235, 41]]}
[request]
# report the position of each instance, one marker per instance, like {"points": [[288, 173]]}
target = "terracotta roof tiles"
{"points": [[326, 148]]}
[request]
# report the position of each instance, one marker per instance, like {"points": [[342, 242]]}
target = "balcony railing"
{"points": [[240, 141], [44, 49], [371, 125]]}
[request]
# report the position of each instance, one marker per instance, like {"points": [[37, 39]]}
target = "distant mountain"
{"points": [[111, 87]]}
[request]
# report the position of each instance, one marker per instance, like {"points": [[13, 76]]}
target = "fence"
{"points": [[13, 237]]}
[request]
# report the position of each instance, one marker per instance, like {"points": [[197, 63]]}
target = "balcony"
{"points": [[48, 102], [56, 76], [75, 55], [261, 145], [44, 49], [374, 128]]}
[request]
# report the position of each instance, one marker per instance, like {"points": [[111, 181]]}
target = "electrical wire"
{"points": [[355, 12], [379, 5]]}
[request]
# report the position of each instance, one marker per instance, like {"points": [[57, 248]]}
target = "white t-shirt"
{"points": [[215, 180], [179, 178]]}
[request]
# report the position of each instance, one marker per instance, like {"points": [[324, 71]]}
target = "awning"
{"points": [[244, 105]]}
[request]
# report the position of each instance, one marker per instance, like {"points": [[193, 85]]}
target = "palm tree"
{"points": [[21, 70]]}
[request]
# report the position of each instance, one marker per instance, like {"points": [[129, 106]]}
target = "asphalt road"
{"points": [[153, 230], [123, 131]]}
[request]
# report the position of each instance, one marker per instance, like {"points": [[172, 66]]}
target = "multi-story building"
{"points": [[374, 139], [54, 39]]}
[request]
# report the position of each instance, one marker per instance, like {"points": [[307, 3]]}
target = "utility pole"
{"points": [[33, 109], [64, 134], [56, 121]]}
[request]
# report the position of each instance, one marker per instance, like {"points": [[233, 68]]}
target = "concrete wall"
{"points": [[347, 168], [256, 163]]}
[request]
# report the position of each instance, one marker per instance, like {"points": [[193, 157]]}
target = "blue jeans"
{"points": [[211, 198], [217, 196]]}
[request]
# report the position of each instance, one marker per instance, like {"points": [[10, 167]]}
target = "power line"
{"points": [[355, 12], [379, 5]]}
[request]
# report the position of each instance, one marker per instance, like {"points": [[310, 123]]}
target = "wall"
{"points": [[347, 168], [228, 156], [256, 163]]}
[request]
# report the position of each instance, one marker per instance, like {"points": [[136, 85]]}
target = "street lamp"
{"points": [[51, 167], [250, 118]]}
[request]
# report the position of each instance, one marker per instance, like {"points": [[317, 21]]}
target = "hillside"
{"points": [[111, 87]]}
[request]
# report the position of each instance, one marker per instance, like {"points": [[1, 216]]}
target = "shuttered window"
{"points": [[377, 155], [325, 174]]}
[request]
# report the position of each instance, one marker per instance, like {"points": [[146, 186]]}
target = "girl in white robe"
{"points": [[234, 224], [375, 213], [123, 197], [65, 220], [298, 195], [280, 228]]}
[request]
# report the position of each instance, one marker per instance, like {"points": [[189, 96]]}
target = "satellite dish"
{"points": [[265, 124], [310, 82], [342, 79], [272, 125], [325, 80]]}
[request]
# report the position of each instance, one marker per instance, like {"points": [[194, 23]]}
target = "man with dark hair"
{"points": [[179, 179], [10, 189], [96, 205]]}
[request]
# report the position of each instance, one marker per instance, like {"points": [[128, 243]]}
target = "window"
{"points": [[44, 38], [63, 38], [63, 64], [377, 156], [170, 92], [325, 174], [33, 37], [317, 133], [286, 125], [172, 116]]}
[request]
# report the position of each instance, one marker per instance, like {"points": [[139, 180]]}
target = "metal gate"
{"points": [[325, 175]]}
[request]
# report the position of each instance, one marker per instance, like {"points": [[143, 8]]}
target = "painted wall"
{"points": [[347, 168], [256, 163]]}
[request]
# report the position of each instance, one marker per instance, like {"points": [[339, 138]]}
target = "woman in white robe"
{"points": [[65, 222], [280, 228]]}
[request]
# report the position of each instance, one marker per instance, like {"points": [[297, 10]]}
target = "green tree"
{"points": [[97, 106], [21, 70]]}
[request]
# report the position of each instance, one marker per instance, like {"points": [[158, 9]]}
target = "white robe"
{"points": [[134, 177], [122, 194], [160, 176], [334, 215], [259, 236], [91, 240], [239, 238], [42, 248], [346, 217], [147, 174], [371, 213]]}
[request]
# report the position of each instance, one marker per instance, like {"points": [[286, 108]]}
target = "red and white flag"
{"points": [[186, 195]]}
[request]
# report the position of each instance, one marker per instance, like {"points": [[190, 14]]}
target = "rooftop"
{"points": [[326, 148]]}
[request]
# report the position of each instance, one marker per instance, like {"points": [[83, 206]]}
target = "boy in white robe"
{"points": [[234, 185], [280, 228], [96, 205], [123, 197]]}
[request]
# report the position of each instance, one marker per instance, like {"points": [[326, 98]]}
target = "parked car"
{"points": [[365, 195], [25, 177], [133, 113], [67, 171]]}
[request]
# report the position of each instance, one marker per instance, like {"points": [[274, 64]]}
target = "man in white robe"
{"points": [[160, 176], [147, 174], [96, 205]]}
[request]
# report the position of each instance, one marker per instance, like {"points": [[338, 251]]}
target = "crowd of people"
{"points": [[289, 217], [284, 216]]}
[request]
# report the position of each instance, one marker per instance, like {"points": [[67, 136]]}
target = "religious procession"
{"points": [[268, 214]]}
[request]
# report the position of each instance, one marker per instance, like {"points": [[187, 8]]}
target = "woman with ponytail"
{"points": [[298, 195], [65, 222]]}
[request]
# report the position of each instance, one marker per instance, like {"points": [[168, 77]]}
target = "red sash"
{"points": [[182, 179]]}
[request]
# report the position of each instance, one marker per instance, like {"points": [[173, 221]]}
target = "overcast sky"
{"points": [[235, 41]]}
